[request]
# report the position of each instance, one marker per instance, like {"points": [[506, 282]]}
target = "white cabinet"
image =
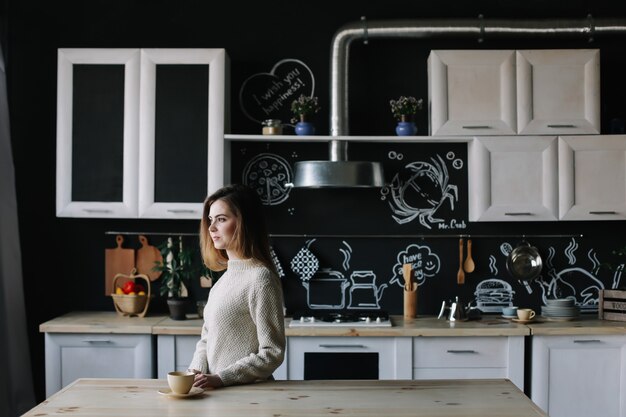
{"points": [[558, 91], [506, 92], [469, 357], [174, 353], [140, 131], [592, 177], [579, 376], [513, 179], [472, 92], [85, 355]]}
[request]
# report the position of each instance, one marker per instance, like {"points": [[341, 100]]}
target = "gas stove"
{"points": [[333, 318]]}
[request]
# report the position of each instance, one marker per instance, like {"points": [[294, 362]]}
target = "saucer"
{"points": [[192, 392], [508, 317], [523, 321]]}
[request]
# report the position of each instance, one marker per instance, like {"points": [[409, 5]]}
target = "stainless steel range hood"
{"points": [[338, 172]]}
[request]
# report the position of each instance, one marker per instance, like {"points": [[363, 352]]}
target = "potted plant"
{"points": [[176, 269], [302, 108], [403, 110]]}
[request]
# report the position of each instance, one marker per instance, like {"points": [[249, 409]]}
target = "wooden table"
{"points": [[441, 398]]}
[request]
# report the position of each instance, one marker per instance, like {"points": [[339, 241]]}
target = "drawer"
{"points": [[460, 352]]}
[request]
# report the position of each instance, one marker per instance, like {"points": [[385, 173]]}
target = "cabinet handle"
{"points": [[97, 210], [181, 211], [97, 341], [520, 213], [461, 351], [567, 126], [340, 346], [588, 341], [603, 212], [477, 127]]}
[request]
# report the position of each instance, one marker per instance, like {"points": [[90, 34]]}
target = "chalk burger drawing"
{"points": [[420, 190]]}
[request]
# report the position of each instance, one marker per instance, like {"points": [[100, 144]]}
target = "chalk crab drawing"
{"points": [[420, 190], [424, 263]]}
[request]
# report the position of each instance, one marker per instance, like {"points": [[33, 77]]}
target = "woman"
{"points": [[243, 336]]}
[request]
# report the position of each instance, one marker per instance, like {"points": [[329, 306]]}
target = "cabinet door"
{"points": [[182, 124], [513, 179], [73, 356], [472, 92], [592, 177], [97, 132], [579, 376], [558, 91]]}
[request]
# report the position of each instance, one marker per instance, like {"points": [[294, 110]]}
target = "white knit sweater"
{"points": [[243, 336]]}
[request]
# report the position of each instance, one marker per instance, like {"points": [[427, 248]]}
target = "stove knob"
{"points": [[378, 320], [368, 320], [312, 319], [301, 319]]}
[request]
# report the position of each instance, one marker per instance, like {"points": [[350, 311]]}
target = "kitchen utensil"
{"points": [[460, 276], [469, 266], [117, 261], [524, 262], [410, 292], [146, 257]]}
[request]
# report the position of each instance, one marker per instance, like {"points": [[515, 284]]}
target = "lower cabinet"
{"points": [[83, 355], [579, 376], [468, 357], [176, 351]]}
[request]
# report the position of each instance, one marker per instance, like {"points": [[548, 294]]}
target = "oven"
{"points": [[346, 357]]}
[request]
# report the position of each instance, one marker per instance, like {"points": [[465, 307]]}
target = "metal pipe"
{"points": [[478, 28]]}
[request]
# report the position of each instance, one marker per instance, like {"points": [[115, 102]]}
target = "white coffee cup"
{"points": [[180, 382], [525, 313]]}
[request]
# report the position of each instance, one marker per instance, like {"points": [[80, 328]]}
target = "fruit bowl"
{"points": [[131, 304]]}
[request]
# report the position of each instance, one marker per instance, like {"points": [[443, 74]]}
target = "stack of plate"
{"points": [[560, 309]]}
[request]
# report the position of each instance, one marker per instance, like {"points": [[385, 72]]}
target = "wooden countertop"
{"points": [[111, 322], [442, 398]]}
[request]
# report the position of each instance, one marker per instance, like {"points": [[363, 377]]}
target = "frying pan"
{"points": [[524, 262]]}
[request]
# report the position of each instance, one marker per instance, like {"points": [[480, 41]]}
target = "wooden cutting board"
{"points": [[147, 255], [117, 261]]}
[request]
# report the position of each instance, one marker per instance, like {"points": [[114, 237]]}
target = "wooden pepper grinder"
{"points": [[410, 292]]}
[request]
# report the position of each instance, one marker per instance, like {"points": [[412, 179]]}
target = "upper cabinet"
{"points": [[506, 92], [592, 177], [513, 179], [140, 131]]}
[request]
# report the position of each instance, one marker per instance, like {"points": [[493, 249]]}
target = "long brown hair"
{"points": [[250, 237]]}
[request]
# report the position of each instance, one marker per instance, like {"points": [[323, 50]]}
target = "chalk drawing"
{"points": [[364, 293], [268, 95], [492, 294], [268, 173], [279, 267], [305, 263], [425, 264], [419, 190]]}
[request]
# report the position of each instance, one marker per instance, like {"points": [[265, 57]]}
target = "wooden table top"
{"points": [[441, 398]]}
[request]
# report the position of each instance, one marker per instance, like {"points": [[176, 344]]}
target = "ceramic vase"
{"points": [[304, 127], [406, 126]]}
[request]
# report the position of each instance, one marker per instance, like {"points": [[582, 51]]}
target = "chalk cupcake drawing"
{"points": [[268, 173], [419, 190], [425, 264]]}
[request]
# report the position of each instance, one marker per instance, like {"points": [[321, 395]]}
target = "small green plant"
{"points": [[176, 267], [404, 106], [304, 106]]}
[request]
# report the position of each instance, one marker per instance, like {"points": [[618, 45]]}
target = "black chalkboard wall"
{"points": [[63, 259]]}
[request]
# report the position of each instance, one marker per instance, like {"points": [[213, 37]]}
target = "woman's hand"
{"points": [[205, 381]]}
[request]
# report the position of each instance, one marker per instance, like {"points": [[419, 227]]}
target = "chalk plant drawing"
{"points": [[425, 264], [326, 287], [492, 294], [268, 173], [419, 191]]}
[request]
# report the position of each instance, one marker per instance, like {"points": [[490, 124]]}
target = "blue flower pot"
{"points": [[305, 128], [406, 129]]}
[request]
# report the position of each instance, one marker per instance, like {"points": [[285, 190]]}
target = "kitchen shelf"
{"points": [[320, 138]]}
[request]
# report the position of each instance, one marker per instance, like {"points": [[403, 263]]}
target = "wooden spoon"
{"points": [[469, 266], [407, 272], [460, 276]]}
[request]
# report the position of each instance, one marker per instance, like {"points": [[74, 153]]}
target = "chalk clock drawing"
{"points": [[419, 190], [268, 173], [326, 286], [268, 95], [425, 264]]}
